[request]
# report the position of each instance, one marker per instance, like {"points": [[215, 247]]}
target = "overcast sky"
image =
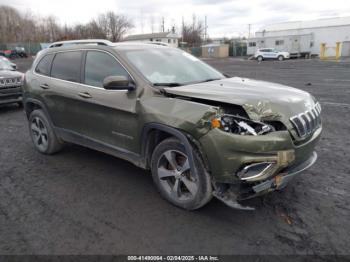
{"points": [[224, 17]]}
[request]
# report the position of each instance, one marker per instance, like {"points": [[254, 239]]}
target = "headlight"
{"points": [[241, 126]]}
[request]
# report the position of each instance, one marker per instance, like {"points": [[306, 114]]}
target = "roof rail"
{"points": [[81, 42], [158, 43]]}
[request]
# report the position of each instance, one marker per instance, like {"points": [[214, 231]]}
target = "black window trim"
{"points": [[80, 83]]}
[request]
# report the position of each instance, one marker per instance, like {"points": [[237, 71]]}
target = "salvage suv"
{"points": [[201, 134]]}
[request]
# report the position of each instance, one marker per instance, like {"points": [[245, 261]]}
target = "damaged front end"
{"points": [[249, 158], [233, 194], [253, 147], [242, 126]]}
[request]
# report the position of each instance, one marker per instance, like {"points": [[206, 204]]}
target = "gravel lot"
{"points": [[84, 202]]}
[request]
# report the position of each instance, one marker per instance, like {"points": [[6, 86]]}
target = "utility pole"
{"points": [[205, 29], [163, 26], [152, 23], [183, 28], [249, 30], [141, 20], [193, 21]]}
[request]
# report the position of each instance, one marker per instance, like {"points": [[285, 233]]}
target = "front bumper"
{"points": [[10, 95], [227, 153], [282, 179], [230, 194]]}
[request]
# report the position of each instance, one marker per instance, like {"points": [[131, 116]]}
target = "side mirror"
{"points": [[118, 83]]}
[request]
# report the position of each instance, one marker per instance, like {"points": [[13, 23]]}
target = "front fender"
{"points": [[187, 116]]}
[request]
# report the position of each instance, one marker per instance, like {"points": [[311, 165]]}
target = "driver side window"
{"points": [[99, 65]]}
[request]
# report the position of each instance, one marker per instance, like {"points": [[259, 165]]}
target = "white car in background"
{"points": [[270, 53], [8, 62]]}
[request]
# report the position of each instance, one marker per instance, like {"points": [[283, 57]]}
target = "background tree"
{"points": [[192, 33], [18, 27], [117, 26]]}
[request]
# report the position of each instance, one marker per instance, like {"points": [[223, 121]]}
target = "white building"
{"points": [[170, 38], [304, 37]]}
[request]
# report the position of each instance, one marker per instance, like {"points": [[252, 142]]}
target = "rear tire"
{"points": [[172, 175], [42, 133]]}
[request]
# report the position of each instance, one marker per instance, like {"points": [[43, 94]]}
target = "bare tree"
{"points": [[151, 21], [53, 28], [95, 31], [192, 33], [16, 27], [117, 26], [10, 20]]}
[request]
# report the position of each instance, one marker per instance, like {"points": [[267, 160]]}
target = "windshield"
{"points": [[171, 67], [5, 65]]}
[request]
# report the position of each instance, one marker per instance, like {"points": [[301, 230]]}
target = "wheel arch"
{"points": [[31, 104], [154, 133]]}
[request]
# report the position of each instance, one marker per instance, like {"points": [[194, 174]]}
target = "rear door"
{"points": [[274, 53], [63, 88]]}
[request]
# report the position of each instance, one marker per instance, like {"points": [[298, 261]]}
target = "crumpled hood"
{"points": [[260, 99], [9, 74]]}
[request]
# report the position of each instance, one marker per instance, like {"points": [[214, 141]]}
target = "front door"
{"points": [[107, 116]]}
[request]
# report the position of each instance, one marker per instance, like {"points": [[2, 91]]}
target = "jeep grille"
{"points": [[307, 122], [10, 82]]}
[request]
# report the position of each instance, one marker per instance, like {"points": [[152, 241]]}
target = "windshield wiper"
{"points": [[209, 80], [167, 84]]}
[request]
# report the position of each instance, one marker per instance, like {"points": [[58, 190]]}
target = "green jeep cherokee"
{"points": [[200, 133]]}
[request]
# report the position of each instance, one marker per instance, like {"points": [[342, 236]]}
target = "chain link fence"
{"points": [[30, 48]]}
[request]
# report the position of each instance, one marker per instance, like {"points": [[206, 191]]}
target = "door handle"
{"points": [[44, 86], [84, 95]]}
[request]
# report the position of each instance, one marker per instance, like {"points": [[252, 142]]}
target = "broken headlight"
{"points": [[242, 126]]}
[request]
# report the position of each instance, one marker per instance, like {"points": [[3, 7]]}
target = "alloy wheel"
{"points": [[175, 176], [39, 133]]}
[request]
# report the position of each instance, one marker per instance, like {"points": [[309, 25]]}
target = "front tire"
{"points": [[172, 175], [259, 58], [42, 134], [280, 58]]}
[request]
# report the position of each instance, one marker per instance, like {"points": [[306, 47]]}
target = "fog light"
{"points": [[255, 170]]}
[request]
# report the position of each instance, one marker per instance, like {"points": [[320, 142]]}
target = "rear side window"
{"points": [[99, 65], [66, 66], [44, 65]]}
